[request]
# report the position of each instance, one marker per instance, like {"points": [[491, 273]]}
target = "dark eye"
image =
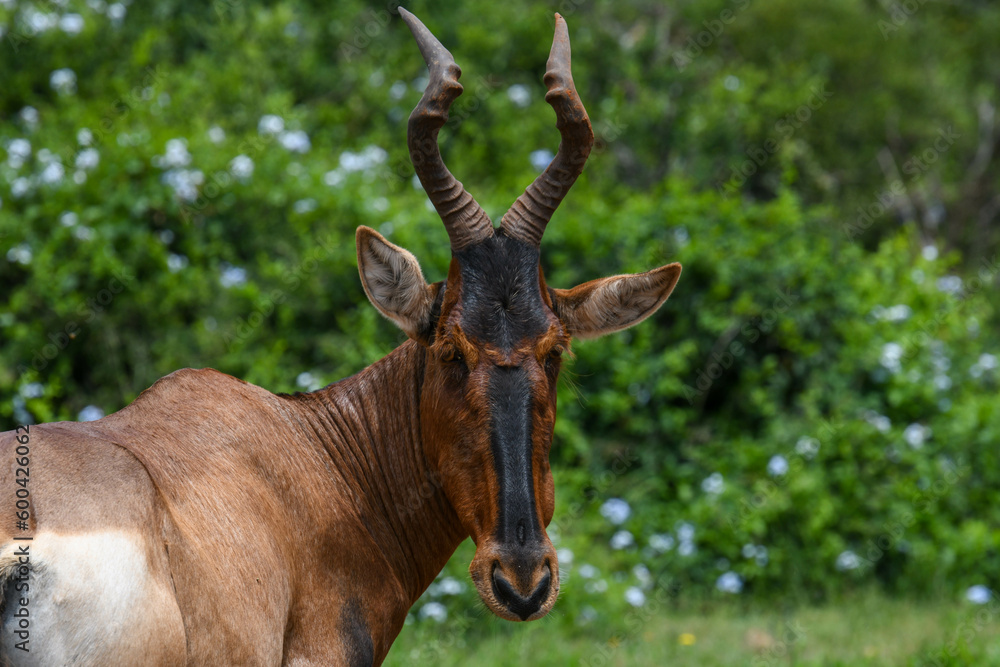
{"points": [[450, 354], [555, 354]]}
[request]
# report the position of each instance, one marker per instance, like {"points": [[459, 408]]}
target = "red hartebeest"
{"points": [[212, 522]]}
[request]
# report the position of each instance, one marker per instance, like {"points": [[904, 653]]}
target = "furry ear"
{"points": [[394, 283], [606, 305]]}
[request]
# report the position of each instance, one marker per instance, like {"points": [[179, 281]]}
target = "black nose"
{"points": [[518, 604]]}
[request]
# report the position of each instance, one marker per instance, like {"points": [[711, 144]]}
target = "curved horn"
{"points": [[464, 219], [527, 218]]}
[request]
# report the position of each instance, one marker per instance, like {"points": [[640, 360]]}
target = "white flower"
{"points": [[84, 137], [20, 254], [987, 361], [749, 550], [334, 177], [33, 390], [978, 594], [52, 174], [90, 413], [587, 571], [18, 151], [71, 24], [296, 142], [176, 262], [20, 187], [634, 596], [63, 81], [616, 510], [68, 219], [241, 167], [713, 484], [232, 276], [450, 586], [541, 158], [681, 236], [643, 574], [598, 586], [686, 549], [303, 206], [29, 115], [880, 422], [915, 434], [762, 558], [397, 90], [176, 154], [897, 313], [661, 542], [930, 253], [685, 531], [371, 156], [519, 94], [305, 379], [622, 540], [777, 466], [730, 582], [184, 182], [434, 610], [892, 355], [116, 13], [731, 83], [39, 21], [807, 447], [949, 284], [216, 134], [270, 124], [88, 158], [565, 557], [847, 560], [83, 233]]}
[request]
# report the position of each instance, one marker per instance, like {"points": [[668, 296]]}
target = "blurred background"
{"points": [[795, 461]]}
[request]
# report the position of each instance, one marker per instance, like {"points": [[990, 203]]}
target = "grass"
{"points": [[869, 631]]}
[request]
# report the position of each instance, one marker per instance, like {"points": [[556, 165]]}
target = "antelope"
{"points": [[212, 522]]}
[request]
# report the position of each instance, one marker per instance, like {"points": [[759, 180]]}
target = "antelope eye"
{"points": [[450, 354], [557, 351]]}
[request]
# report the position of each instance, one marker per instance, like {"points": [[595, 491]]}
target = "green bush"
{"points": [[814, 407]]}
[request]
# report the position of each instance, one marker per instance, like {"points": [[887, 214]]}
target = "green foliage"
{"points": [[818, 391]]}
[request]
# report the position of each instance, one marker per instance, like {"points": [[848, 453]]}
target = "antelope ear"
{"points": [[395, 284], [606, 305]]}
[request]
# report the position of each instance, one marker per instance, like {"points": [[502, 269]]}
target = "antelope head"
{"points": [[495, 335]]}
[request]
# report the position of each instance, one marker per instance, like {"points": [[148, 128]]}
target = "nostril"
{"points": [[522, 606]]}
